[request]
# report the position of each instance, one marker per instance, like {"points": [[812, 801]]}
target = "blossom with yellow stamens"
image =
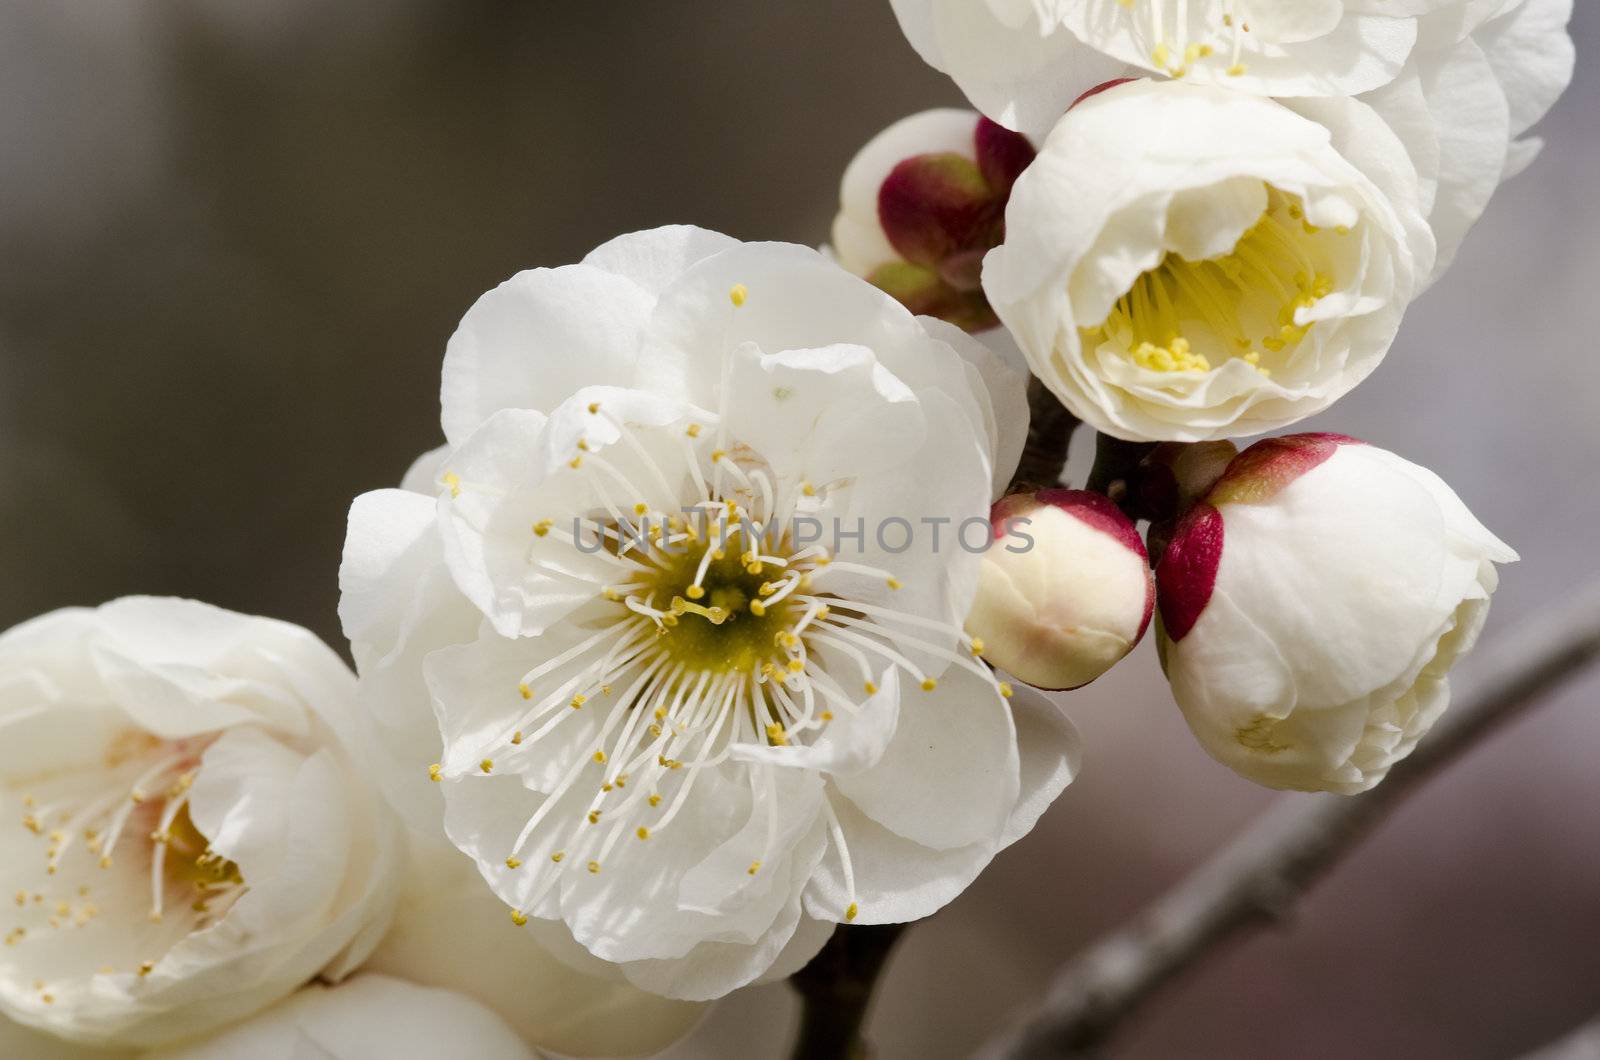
{"points": [[1023, 62], [201, 841], [1185, 263], [743, 394]]}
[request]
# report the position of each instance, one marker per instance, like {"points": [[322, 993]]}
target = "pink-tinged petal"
{"points": [[1262, 471], [1188, 569], [1002, 155], [1098, 511], [1104, 86], [933, 206]]}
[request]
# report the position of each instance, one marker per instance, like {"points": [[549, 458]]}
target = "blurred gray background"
{"points": [[236, 234]]}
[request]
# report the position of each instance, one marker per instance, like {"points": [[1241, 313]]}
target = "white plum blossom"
{"points": [[186, 836], [1185, 263], [1065, 590], [681, 725], [365, 1016], [1312, 606], [1482, 74], [1023, 62]]}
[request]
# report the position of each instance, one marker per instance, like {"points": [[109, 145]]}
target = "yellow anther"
{"points": [[542, 527], [738, 293], [808, 489], [977, 646], [594, 868], [755, 867], [578, 701], [524, 690], [1160, 55], [1238, 70], [599, 756], [826, 715], [146, 967], [757, 608], [643, 832], [594, 407], [487, 765], [695, 592], [776, 736], [641, 508], [611, 594], [453, 481], [654, 800], [1006, 691], [894, 583], [871, 688], [718, 454], [594, 816], [693, 430], [516, 737], [850, 913], [575, 463], [797, 666], [557, 856], [929, 684], [518, 917]]}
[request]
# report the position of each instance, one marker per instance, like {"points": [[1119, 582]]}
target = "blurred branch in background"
{"points": [[1260, 876], [1581, 1044]]}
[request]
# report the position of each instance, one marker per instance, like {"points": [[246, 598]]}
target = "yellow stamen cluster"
{"points": [[1187, 316]]}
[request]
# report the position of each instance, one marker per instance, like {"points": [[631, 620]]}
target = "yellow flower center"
{"points": [[1190, 316]]}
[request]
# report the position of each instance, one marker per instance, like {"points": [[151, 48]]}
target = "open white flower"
{"points": [[365, 1016], [1312, 606], [1022, 62], [1481, 76], [187, 837], [706, 740], [1184, 263]]}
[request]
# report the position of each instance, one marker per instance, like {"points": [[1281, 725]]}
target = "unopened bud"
{"points": [[1065, 591], [1312, 605], [921, 205]]}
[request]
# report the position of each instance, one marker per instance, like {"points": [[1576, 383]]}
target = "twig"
{"points": [[1258, 878], [836, 987], [1050, 428], [1581, 1044]]}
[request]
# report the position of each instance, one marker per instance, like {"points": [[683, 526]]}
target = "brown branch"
{"points": [[1050, 428], [836, 987], [1259, 877]]}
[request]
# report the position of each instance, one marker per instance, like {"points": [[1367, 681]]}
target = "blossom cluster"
{"points": [[629, 730]]}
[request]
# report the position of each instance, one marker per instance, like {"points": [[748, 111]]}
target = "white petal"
{"points": [[949, 777], [532, 341]]}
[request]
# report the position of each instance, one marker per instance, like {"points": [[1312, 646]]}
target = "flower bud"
{"points": [[1312, 605], [1065, 590], [922, 203]]}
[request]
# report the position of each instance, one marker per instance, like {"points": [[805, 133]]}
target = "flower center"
{"points": [[121, 824], [1190, 316], [1223, 31], [717, 600]]}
